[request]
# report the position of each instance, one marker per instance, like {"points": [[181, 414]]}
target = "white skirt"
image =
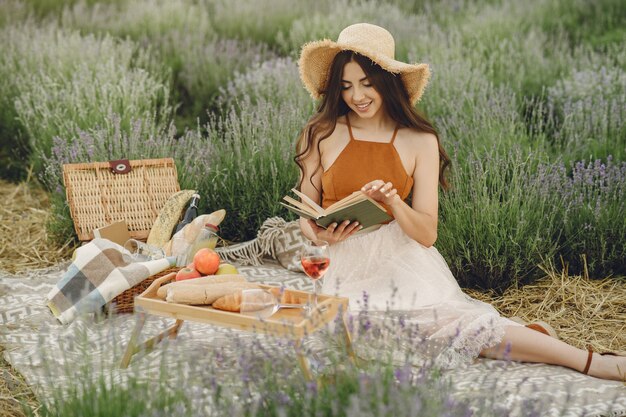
{"points": [[386, 271]]}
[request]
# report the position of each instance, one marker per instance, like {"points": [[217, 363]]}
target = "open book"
{"points": [[355, 207]]}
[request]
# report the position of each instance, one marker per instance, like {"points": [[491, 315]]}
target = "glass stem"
{"points": [[315, 293]]}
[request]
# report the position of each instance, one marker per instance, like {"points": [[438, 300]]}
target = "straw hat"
{"points": [[366, 39]]}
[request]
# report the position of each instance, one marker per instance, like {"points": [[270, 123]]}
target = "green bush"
{"points": [[497, 225], [207, 67], [590, 199], [407, 29], [588, 109], [181, 35], [63, 82], [41, 9], [253, 144], [598, 23], [142, 20], [12, 11], [471, 113], [259, 20]]}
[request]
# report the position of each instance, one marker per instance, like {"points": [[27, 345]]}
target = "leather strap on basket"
{"points": [[121, 166]]}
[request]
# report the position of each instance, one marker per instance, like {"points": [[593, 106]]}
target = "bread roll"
{"points": [[229, 302]]}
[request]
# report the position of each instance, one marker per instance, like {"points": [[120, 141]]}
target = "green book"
{"points": [[355, 207]]}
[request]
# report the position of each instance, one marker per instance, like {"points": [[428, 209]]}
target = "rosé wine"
{"points": [[315, 267]]}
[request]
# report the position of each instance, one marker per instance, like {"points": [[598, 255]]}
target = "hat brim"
{"points": [[317, 57]]}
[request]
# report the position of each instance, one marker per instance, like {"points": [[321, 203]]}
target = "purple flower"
{"points": [[311, 387]]}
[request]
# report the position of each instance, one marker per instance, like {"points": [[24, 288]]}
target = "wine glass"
{"points": [[142, 252], [261, 303], [315, 262]]}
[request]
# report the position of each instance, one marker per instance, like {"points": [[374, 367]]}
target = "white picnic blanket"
{"points": [[42, 350]]}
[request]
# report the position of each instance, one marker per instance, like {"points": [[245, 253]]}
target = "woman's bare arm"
{"points": [[419, 220]]}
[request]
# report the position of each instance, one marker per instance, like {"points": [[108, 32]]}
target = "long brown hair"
{"points": [[396, 103]]}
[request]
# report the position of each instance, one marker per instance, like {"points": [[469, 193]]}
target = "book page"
{"points": [[306, 199], [300, 205], [346, 201], [299, 212]]}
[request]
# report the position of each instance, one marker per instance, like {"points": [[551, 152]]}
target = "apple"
{"points": [[187, 273], [207, 261], [225, 269]]}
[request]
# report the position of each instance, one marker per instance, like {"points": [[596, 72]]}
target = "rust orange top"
{"points": [[363, 161]]}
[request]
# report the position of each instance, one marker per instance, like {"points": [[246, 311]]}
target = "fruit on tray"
{"points": [[187, 273], [207, 261], [226, 268]]}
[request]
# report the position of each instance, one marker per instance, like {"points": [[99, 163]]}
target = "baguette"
{"points": [[208, 280], [205, 294], [168, 217]]}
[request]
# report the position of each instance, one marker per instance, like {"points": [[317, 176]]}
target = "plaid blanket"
{"points": [[101, 271]]}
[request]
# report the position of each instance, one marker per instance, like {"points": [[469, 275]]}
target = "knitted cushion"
{"points": [[288, 245], [277, 238]]}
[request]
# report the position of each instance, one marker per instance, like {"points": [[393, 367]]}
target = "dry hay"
{"points": [[584, 312], [24, 241], [14, 392]]}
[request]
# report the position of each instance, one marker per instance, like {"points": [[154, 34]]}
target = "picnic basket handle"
{"points": [[151, 291]]}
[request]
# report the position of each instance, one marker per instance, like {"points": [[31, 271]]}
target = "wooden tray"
{"points": [[286, 322]]}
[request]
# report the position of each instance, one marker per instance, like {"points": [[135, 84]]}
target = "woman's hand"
{"points": [[381, 191], [335, 232]]}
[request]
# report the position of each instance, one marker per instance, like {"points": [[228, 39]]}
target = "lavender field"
{"points": [[529, 99]]}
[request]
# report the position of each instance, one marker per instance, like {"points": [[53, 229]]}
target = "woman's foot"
{"points": [[607, 367]]}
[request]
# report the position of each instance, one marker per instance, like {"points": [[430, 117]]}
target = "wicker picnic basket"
{"points": [[125, 302], [98, 197]]}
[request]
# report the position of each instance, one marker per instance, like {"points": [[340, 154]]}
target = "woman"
{"points": [[366, 135]]}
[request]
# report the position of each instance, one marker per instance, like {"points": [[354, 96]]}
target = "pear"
{"points": [[226, 268]]}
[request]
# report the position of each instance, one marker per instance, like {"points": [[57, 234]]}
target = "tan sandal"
{"points": [[590, 357], [539, 326]]}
